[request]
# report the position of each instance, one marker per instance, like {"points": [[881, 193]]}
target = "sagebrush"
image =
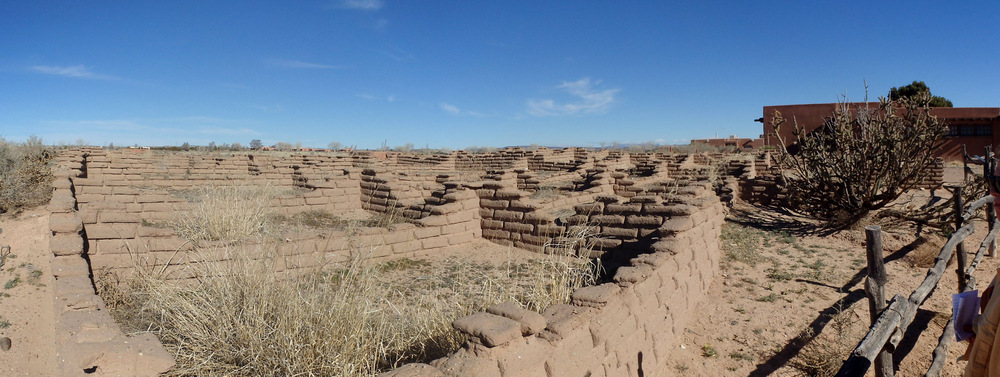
{"points": [[25, 174]]}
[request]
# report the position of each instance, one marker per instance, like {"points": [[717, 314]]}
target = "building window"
{"points": [[952, 131], [967, 131], [984, 130]]}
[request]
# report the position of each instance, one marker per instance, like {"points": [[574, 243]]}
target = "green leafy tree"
{"points": [[861, 159], [917, 88]]}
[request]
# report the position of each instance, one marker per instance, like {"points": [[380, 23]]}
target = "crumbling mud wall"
{"points": [[624, 327], [88, 341], [124, 200], [660, 232]]}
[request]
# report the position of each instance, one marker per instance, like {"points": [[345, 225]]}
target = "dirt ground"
{"points": [[26, 298], [795, 304]]}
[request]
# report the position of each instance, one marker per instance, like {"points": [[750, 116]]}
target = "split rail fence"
{"points": [[890, 321]]}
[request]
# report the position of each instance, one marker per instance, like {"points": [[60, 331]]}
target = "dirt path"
{"points": [[26, 297]]}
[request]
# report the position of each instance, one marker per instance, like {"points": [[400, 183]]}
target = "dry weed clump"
{"points": [[246, 318], [824, 355], [25, 174], [228, 213], [243, 318]]}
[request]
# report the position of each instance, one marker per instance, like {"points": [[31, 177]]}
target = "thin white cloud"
{"points": [[362, 4], [299, 64], [76, 71], [398, 55], [450, 109], [455, 110], [370, 97], [587, 100]]}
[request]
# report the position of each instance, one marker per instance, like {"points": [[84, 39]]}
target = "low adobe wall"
{"points": [[124, 198], [621, 328], [88, 341]]}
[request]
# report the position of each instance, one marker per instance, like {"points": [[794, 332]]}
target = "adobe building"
{"points": [[975, 127], [732, 143]]}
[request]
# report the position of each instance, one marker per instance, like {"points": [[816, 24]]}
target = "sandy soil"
{"points": [[25, 296], [796, 305]]}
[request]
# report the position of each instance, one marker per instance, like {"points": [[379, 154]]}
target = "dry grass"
{"points": [[243, 318], [25, 174], [247, 317], [227, 213], [323, 220], [825, 354]]}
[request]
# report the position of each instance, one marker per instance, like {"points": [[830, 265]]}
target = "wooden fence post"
{"points": [[956, 193], [991, 212], [875, 290]]}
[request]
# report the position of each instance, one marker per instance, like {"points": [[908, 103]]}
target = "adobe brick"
{"points": [[589, 208], [496, 234], [644, 221], [118, 217], [66, 244], [158, 207], [506, 215], [607, 219], [611, 231], [518, 227], [460, 238], [461, 216], [548, 230], [494, 203], [69, 265], [406, 247], [103, 190], [508, 194], [535, 240], [434, 242], [90, 198], [155, 231], [65, 223], [676, 224], [606, 243], [523, 206], [622, 208], [111, 231], [453, 228], [426, 232]]}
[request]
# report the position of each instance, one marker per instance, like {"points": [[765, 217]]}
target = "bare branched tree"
{"points": [[861, 159]]}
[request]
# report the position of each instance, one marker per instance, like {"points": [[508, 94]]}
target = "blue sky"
{"points": [[462, 73]]}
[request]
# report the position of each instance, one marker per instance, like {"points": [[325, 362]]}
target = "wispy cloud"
{"points": [[450, 109], [362, 4], [398, 55], [297, 64], [390, 98], [454, 110], [587, 100], [76, 71]]}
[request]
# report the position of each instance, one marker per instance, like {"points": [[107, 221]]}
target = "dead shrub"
{"points": [[25, 174], [245, 318], [229, 213], [825, 353], [861, 159]]}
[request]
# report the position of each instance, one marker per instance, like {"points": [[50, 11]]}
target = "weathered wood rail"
{"points": [[889, 322]]}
